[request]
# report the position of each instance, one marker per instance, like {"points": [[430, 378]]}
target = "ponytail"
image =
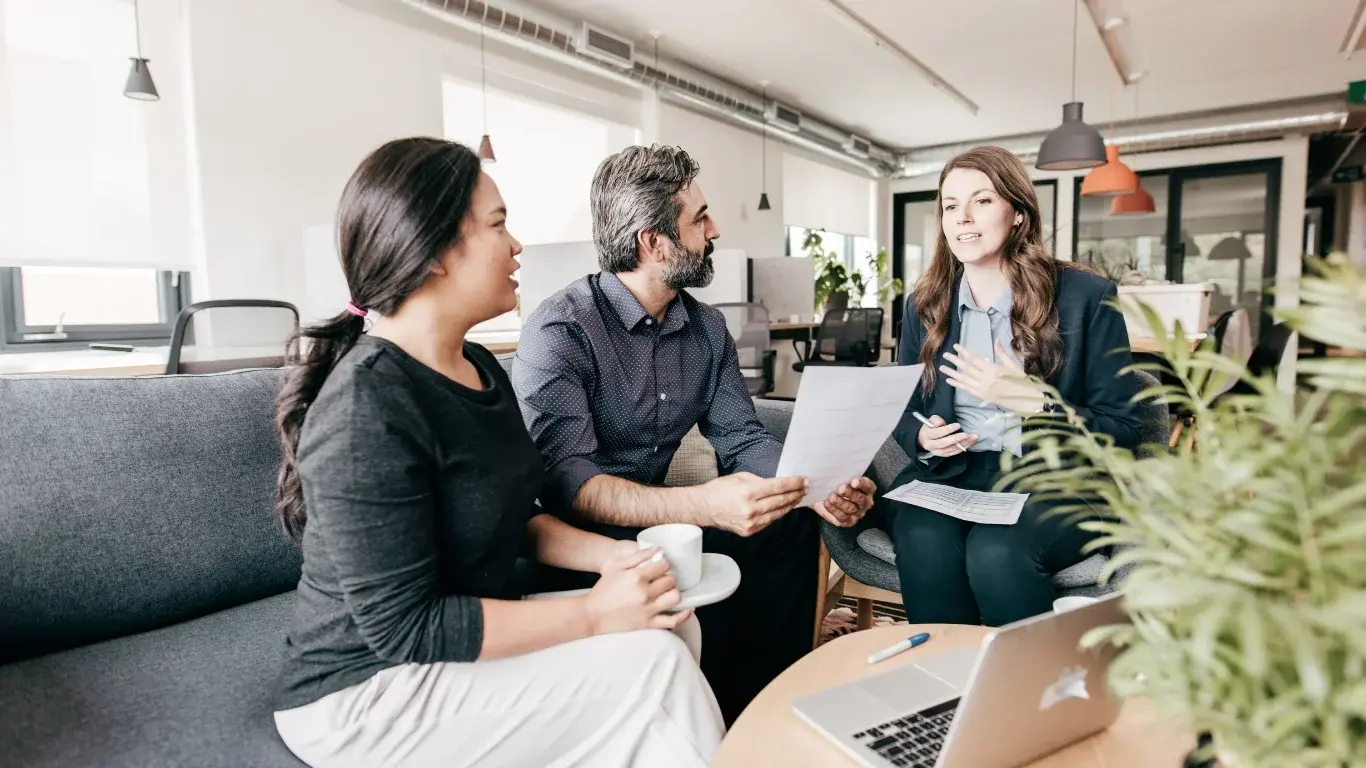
{"points": [[400, 212], [326, 344]]}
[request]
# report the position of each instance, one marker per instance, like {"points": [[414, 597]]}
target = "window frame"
{"points": [[173, 295]]}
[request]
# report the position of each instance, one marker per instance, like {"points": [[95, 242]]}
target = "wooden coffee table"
{"points": [[769, 733]]}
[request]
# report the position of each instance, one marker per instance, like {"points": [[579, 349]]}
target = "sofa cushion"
{"points": [[198, 693], [694, 463], [131, 504]]}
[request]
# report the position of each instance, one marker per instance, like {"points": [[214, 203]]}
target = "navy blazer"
{"points": [[1095, 346]]}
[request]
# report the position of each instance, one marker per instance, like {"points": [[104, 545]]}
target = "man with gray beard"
{"points": [[614, 370]]}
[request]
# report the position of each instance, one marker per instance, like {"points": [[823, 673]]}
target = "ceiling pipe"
{"points": [[1116, 34], [1262, 122], [1352, 40], [674, 83], [850, 16]]}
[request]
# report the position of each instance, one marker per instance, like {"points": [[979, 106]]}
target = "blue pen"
{"points": [[904, 645]]}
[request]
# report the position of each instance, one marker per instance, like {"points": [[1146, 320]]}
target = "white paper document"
{"points": [[972, 506], [842, 417]]}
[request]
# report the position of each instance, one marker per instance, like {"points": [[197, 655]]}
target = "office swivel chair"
{"points": [[748, 326], [244, 333], [847, 337]]}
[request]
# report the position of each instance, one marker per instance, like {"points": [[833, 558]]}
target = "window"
{"points": [[80, 257], [55, 305], [545, 183], [856, 253]]}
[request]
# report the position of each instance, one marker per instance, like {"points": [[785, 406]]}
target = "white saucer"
{"points": [[720, 579]]}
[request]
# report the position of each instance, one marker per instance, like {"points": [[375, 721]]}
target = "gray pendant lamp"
{"points": [[763, 133], [485, 144], [1074, 144], [140, 85]]}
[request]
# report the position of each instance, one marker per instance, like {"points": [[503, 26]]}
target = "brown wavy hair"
{"points": [[1030, 268]]}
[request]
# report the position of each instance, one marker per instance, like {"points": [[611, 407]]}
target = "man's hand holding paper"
{"points": [[841, 419]]}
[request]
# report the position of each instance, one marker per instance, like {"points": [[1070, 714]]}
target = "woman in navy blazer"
{"points": [[993, 306]]}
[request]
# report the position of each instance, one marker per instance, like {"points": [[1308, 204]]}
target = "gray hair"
{"points": [[635, 190]]}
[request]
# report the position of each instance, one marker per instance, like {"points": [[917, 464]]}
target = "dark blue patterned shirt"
{"points": [[605, 389]]}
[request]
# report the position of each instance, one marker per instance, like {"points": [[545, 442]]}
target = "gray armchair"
{"points": [[864, 552]]}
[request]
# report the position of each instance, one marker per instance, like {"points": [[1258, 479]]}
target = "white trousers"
{"points": [[625, 700]]}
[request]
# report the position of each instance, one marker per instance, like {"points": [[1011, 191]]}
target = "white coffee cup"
{"points": [[1071, 603], [681, 544]]}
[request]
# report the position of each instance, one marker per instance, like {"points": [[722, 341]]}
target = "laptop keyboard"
{"points": [[913, 741]]}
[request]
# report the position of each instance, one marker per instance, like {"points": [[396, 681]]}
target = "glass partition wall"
{"points": [[1213, 223]]}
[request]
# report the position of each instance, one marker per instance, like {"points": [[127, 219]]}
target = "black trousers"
{"points": [[751, 637], [956, 572]]}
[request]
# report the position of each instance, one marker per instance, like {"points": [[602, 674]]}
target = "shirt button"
{"points": [[649, 321], [663, 396]]}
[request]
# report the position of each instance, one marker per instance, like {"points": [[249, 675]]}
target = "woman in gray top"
{"points": [[410, 483]]}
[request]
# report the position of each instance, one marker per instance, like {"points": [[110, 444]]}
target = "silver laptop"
{"points": [[1029, 691]]}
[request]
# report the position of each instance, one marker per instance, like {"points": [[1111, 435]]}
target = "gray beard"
{"points": [[689, 269]]}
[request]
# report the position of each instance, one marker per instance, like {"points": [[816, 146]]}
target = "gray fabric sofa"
{"points": [[144, 591]]}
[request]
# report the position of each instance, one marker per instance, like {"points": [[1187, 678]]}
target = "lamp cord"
{"points": [[1076, 11], [483, 72], [137, 28], [763, 135]]}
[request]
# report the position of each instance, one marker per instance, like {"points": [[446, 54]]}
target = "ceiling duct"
{"points": [[595, 50], [1225, 126]]}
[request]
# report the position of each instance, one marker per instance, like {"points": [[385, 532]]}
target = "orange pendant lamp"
{"points": [[1110, 180], [1140, 201], [1133, 204]]}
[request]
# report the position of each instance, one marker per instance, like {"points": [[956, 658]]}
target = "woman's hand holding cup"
{"points": [[635, 592]]}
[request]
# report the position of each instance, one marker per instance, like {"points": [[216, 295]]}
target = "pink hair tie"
{"points": [[355, 310]]}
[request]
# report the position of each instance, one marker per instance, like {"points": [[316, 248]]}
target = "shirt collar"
{"points": [[965, 301], [630, 311]]}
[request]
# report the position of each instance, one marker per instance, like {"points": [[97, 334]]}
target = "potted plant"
{"points": [[834, 284], [1248, 592], [837, 286], [888, 287]]}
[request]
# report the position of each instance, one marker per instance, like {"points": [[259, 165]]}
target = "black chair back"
{"points": [[848, 337], [245, 333]]}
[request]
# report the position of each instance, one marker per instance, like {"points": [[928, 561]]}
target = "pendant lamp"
{"points": [[1110, 180], [140, 85], [763, 133], [1114, 178], [1133, 204], [1140, 201], [1074, 144], [485, 144]]}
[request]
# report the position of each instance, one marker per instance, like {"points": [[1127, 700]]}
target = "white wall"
{"points": [[279, 113], [731, 178], [818, 196], [284, 107]]}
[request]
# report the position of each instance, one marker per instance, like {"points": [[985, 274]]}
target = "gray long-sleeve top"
{"points": [[418, 492]]}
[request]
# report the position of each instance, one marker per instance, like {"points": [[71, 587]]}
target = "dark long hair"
{"points": [[1030, 268], [401, 210]]}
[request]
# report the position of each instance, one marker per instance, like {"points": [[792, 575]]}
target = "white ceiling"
{"points": [[1012, 57]]}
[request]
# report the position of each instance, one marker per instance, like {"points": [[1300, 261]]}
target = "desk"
{"points": [[768, 732], [142, 361]]}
